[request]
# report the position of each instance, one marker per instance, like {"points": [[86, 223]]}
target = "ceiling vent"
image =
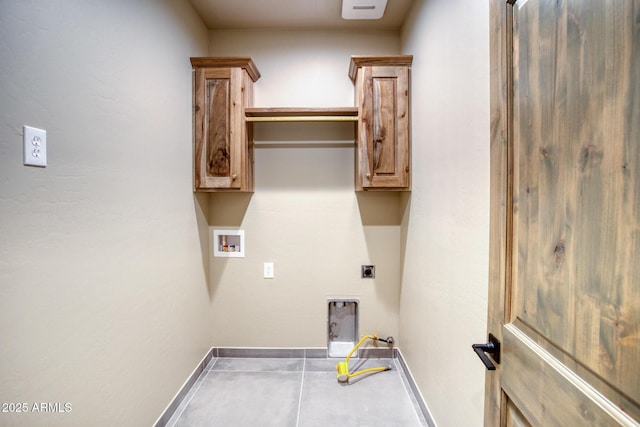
{"points": [[363, 9]]}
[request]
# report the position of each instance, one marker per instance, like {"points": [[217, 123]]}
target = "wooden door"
{"points": [[565, 213]]}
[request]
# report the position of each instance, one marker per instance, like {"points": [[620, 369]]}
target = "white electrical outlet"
{"points": [[35, 146], [268, 270]]}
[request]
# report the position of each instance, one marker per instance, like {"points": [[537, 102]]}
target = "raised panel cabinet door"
{"points": [[565, 223], [220, 137], [383, 146]]}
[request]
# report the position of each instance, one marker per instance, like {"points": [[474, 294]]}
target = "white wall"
{"points": [[444, 288], [304, 215], [104, 300]]}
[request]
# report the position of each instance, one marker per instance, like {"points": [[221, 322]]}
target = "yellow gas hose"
{"points": [[343, 367]]}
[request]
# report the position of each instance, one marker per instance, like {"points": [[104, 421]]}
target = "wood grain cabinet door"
{"points": [[222, 156], [383, 143]]}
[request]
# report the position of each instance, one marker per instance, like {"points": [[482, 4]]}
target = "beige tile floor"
{"points": [[238, 392]]}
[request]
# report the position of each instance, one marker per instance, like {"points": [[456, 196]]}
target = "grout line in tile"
{"points": [[212, 363], [304, 366]]}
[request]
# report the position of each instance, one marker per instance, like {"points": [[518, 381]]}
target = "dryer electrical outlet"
{"points": [[368, 271]]}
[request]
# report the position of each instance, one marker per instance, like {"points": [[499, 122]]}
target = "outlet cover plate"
{"points": [[268, 270], [35, 146]]}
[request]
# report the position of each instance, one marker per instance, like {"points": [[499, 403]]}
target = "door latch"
{"points": [[493, 348]]}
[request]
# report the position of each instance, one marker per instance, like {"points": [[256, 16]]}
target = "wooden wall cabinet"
{"points": [[223, 142], [224, 117], [383, 141]]}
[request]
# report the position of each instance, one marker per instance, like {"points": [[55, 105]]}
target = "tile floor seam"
{"points": [[304, 367]]}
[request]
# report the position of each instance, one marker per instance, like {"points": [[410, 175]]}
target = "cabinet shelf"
{"points": [[341, 114]]}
